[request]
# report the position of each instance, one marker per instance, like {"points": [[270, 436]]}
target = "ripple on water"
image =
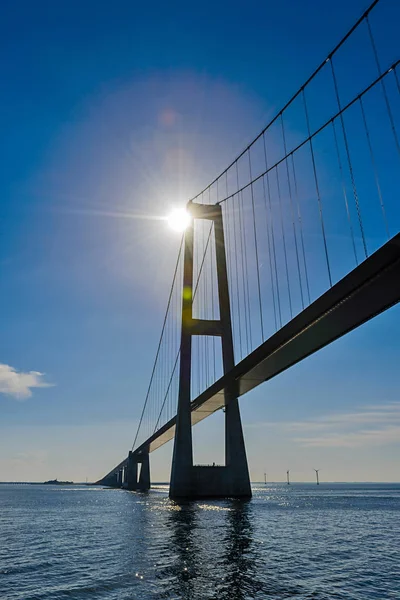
{"points": [[337, 541]]}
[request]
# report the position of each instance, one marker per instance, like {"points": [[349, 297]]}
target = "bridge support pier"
{"points": [[194, 481], [134, 483], [144, 477], [120, 478]]}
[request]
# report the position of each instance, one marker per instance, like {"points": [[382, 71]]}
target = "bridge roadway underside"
{"points": [[371, 288]]}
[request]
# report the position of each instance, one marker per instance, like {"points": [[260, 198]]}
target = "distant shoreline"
{"points": [[43, 483], [312, 483]]}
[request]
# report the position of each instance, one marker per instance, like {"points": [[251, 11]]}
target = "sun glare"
{"points": [[179, 220]]}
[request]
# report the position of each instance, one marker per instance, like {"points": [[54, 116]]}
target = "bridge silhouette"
{"points": [[293, 245]]}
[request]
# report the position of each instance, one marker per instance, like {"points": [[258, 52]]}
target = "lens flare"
{"points": [[179, 220]]}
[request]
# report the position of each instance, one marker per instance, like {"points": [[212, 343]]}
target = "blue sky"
{"points": [[117, 110]]}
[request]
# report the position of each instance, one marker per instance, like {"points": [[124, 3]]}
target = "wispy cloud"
{"points": [[19, 384], [389, 434], [366, 426], [33, 458]]}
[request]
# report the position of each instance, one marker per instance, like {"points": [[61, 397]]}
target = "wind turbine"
{"points": [[287, 476], [265, 478], [316, 473]]}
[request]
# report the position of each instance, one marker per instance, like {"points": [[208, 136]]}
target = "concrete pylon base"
{"points": [[200, 482]]}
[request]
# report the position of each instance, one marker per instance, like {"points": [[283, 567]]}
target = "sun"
{"points": [[179, 219]]}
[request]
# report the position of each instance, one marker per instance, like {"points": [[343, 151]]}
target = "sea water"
{"points": [[303, 541]]}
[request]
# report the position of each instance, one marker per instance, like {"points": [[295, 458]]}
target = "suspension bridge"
{"points": [[293, 245]]}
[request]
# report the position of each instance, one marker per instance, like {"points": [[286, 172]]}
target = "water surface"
{"points": [[333, 541]]}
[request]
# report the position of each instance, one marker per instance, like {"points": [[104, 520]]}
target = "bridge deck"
{"points": [[371, 288]]}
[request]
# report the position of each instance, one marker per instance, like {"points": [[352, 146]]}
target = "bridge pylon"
{"points": [[196, 481], [132, 482]]}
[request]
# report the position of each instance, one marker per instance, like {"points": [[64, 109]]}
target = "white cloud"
{"points": [[352, 439], [366, 415], [366, 426], [19, 384]]}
